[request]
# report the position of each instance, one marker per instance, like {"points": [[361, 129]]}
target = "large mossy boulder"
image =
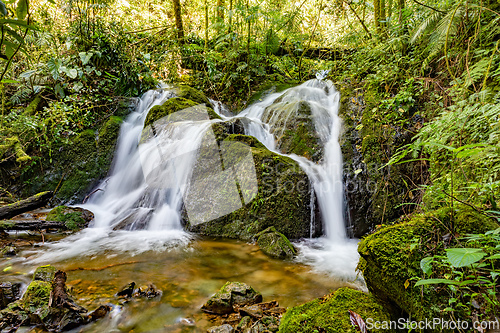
{"points": [[390, 259], [192, 94], [74, 218], [331, 313], [282, 198], [231, 296], [275, 244]]}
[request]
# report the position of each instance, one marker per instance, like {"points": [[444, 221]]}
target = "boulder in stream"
{"points": [[275, 244], [74, 218], [232, 295]]}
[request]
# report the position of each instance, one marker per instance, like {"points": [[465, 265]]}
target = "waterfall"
{"points": [[326, 177], [153, 170]]}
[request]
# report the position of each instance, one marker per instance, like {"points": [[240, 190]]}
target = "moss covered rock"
{"points": [[45, 273], [390, 259], [174, 105], [74, 217], [282, 199], [232, 294], [331, 313], [275, 244], [192, 94]]}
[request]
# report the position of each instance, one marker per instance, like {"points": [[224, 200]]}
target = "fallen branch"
{"points": [[31, 225], [19, 207]]}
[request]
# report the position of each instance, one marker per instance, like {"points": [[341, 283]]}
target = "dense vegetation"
{"points": [[428, 72]]}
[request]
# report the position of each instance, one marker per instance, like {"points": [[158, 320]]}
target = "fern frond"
{"points": [[426, 25], [452, 19]]}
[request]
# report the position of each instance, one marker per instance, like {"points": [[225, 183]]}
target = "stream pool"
{"points": [[187, 271]]}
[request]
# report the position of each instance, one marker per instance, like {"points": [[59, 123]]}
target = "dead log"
{"points": [[31, 225], [22, 206]]}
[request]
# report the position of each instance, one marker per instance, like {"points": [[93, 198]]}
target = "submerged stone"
{"points": [[9, 292]]}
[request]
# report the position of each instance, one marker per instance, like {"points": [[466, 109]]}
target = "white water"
{"points": [[146, 191]]}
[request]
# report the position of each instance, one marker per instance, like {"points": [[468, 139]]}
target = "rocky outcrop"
{"points": [[331, 313], [375, 192]]}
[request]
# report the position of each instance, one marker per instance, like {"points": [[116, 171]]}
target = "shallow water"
{"points": [[188, 273]]}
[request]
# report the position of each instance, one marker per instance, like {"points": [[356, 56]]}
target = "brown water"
{"points": [[187, 274]]}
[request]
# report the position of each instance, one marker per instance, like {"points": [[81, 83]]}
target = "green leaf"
{"points": [[85, 57], [8, 81], [460, 257], [59, 90], [435, 281], [27, 74], [19, 23], [22, 9], [72, 73], [3, 9], [495, 256], [426, 265], [14, 34]]}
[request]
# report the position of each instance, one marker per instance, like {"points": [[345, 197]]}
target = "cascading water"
{"points": [[129, 200]]}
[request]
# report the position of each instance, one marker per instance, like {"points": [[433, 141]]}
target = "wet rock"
{"points": [[9, 292], [74, 218], [127, 291], [275, 244], [9, 251], [271, 323], [99, 313], [190, 109], [231, 295], [226, 328], [149, 291], [244, 325], [253, 311], [45, 273]]}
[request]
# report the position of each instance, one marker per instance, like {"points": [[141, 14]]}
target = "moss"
{"points": [[268, 87], [331, 313], [37, 297], [6, 225], [469, 221], [71, 218], [35, 105], [108, 134], [173, 105], [192, 94], [44, 273]]}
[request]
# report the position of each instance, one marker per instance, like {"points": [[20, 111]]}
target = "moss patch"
{"points": [[275, 244], [173, 105], [73, 218], [192, 94], [331, 313]]}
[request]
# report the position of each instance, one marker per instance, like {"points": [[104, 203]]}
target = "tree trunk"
{"points": [[382, 13], [34, 202], [220, 10], [401, 6], [376, 13], [206, 24], [178, 20]]}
